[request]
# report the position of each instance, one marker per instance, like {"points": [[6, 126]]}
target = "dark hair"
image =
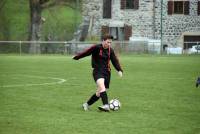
{"points": [[107, 36]]}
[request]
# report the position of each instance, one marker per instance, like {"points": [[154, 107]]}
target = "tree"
{"points": [[2, 3], [35, 27], [4, 29], [36, 8]]}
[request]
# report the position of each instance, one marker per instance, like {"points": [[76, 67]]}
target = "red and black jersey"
{"points": [[101, 57]]}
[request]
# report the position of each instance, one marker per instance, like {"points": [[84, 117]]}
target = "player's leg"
{"points": [[101, 91], [95, 97], [90, 101]]}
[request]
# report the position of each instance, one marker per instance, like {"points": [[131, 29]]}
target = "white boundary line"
{"points": [[58, 81]]}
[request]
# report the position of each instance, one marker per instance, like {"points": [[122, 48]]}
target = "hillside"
{"points": [[60, 21]]}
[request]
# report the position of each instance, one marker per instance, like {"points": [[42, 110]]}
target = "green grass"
{"points": [[157, 93]]}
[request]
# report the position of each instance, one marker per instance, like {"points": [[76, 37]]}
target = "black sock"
{"points": [[104, 97], [92, 99]]}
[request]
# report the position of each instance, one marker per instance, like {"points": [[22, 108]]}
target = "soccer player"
{"points": [[198, 82], [101, 56]]}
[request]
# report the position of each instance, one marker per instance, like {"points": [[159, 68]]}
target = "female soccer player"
{"points": [[101, 56]]}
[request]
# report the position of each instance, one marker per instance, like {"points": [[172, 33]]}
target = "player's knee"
{"points": [[102, 89], [98, 94]]}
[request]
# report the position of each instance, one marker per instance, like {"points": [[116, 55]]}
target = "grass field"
{"points": [[44, 94]]}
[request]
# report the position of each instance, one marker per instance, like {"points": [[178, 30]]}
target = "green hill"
{"points": [[60, 21]]}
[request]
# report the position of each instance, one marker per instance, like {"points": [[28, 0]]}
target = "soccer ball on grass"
{"points": [[114, 104]]}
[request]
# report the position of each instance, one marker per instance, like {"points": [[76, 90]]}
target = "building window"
{"points": [[191, 40], [178, 7], [119, 33], [198, 10], [107, 7], [129, 4]]}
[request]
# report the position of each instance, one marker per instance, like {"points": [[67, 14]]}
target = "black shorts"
{"points": [[102, 74]]}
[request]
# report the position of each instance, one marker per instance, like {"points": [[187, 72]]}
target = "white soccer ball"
{"points": [[114, 104]]}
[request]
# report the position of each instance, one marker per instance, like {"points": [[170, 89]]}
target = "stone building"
{"points": [[180, 21]]}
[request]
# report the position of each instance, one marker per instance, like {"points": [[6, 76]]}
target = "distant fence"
{"points": [[67, 47]]}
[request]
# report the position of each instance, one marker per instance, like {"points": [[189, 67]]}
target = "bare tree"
{"points": [[36, 8]]}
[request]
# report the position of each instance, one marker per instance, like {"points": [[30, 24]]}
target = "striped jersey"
{"points": [[101, 57]]}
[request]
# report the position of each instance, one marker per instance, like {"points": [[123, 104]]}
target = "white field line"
{"points": [[57, 81]]}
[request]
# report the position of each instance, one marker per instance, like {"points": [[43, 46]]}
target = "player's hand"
{"points": [[120, 73], [75, 58]]}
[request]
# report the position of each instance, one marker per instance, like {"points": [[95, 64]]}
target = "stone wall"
{"points": [[176, 26], [146, 20]]}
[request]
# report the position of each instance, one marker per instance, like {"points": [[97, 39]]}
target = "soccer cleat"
{"points": [[85, 107], [198, 82], [104, 108]]}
